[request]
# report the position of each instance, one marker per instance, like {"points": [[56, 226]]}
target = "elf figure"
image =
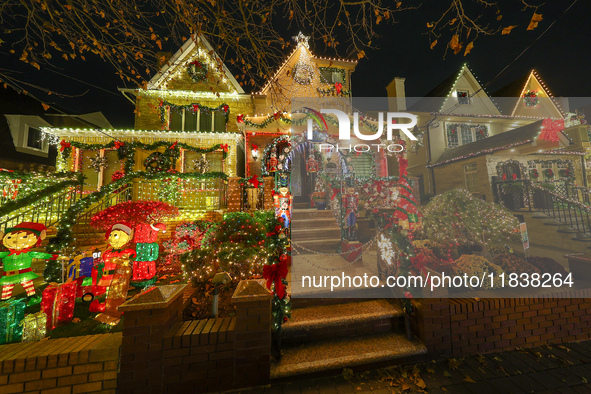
{"points": [[282, 202], [350, 203], [17, 261], [118, 237]]}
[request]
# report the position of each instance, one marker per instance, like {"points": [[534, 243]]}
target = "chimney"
{"points": [[396, 95]]}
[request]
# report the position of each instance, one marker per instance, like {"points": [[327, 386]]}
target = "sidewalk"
{"points": [[547, 369]]}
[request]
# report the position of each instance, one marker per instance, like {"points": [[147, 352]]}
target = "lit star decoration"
{"points": [[97, 163], [201, 164]]}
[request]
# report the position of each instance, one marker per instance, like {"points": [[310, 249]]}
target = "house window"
{"points": [[464, 133], [332, 74], [362, 165], [183, 120], [463, 97], [471, 177], [34, 138]]}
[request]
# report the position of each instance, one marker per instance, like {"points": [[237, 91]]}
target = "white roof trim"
{"points": [[131, 133]]}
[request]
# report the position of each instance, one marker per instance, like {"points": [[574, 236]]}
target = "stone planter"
{"points": [[320, 204]]}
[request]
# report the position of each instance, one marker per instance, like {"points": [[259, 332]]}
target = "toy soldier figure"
{"points": [[272, 165], [283, 205], [350, 203]]}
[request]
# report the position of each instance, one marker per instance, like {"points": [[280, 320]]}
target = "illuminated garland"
{"points": [[126, 150], [277, 116], [267, 152], [482, 152], [16, 185], [333, 91], [193, 107], [561, 163], [64, 235], [12, 206]]}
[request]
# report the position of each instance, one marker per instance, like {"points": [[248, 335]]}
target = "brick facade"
{"points": [[68, 365], [454, 327]]}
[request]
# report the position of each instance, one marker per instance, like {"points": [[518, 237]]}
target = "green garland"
{"points": [[563, 163], [38, 195], [331, 90], [25, 176], [193, 107], [126, 150], [277, 116], [64, 227]]}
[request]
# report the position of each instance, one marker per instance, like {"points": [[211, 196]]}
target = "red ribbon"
{"points": [[240, 119], [338, 87], [335, 191], [274, 273], [378, 185], [173, 145], [17, 252], [550, 129], [504, 176], [118, 144], [225, 107], [64, 145], [224, 147], [195, 107]]}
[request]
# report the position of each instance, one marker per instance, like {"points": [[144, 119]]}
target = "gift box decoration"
{"points": [[146, 251], [12, 312], [34, 327], [79, 267], [58, 301]]}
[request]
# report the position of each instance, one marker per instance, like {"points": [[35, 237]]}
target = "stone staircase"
{"points": [[326, 335], [315, 230]]}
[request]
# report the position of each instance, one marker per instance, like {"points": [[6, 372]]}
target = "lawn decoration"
{"points": [[17, 261], [282, 202], [117, 293], [58, 303], [147, 248], [34, 327], [12, 313]]}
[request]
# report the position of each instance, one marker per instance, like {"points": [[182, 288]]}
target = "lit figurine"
{"points": [[350, 203], [272, 164], [18, 260], [282, 202]]}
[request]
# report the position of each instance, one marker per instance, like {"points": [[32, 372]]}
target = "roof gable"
{"points": [[173, 74], [547, 106], [444, 97]]}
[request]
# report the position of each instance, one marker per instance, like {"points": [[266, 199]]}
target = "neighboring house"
{"points": [[22, 145], [472, 139]]}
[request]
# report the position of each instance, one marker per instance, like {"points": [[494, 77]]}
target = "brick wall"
{"points": [[468, 326], [160, 353], [69, 365]]}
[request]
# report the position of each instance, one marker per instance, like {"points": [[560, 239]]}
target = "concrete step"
{"points": [[301, 214], [334, 355], [567, 230], [313, 224], [315, 233], [301, 205], [552, 222], [325, 322]]}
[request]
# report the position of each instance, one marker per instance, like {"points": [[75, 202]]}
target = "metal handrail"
{"points": [[47, 211]]}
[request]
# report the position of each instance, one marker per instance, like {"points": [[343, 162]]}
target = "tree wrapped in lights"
{"points": [[457, 218]]}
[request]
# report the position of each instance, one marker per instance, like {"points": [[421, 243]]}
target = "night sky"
{"points": [[561, 56]]}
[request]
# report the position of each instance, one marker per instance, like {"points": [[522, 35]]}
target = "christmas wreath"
{"points": [[564, 173], [197, 71], [549, 173], [157, 162], [534, 174], [530, 99]]}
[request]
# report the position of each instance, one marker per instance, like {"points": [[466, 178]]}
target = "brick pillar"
{"points": [[147, 317], [432, 324], [234, 194], [268, 188], [253, 333]]}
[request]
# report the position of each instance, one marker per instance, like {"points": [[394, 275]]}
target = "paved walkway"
{"points": [[547, 369]]}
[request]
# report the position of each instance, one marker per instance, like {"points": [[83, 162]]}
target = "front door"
{"points": [[302, 182]]}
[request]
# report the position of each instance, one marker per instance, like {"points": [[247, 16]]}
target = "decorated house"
{"points": [[469, 138]]}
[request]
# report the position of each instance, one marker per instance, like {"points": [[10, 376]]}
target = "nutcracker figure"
{"points": [[17, 261], [350, 204], [272, 164], [282, 202], [118, 237], [312, 164]]}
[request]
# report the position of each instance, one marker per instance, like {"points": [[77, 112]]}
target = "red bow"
{"points": [[504, 176], [338, 86], [173, 145], [378, 185], [550, 129], [17, 252], [255, 147], [64, 145], [335, 191], [274, 273], [225, 108], [118, 144], [277, 115], [254, 181], [224, 147], [514, 176], [240, 119], [195, 107]]}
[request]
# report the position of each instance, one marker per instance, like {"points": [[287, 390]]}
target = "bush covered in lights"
{"points": [[457, 218], [238, 245]]}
